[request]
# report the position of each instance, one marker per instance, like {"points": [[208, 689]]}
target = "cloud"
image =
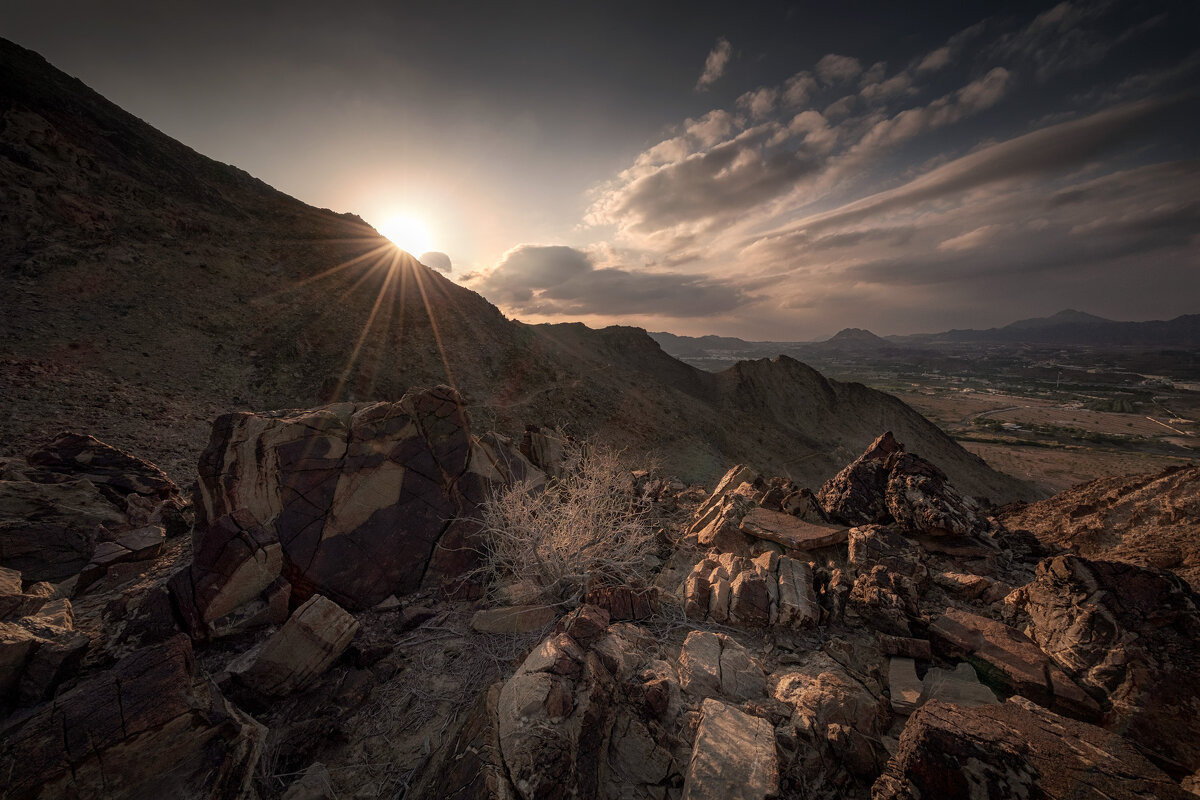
{"points": [[1061, 39], [833, 68], [798, 88], [436, 260], [714, 65], [555, 280], [935, 60], [759, 103]]}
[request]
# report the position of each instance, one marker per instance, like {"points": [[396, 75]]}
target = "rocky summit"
{"points": [[335, 625]]}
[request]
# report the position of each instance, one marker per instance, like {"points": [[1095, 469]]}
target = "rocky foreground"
{"points": [[312, 624]]}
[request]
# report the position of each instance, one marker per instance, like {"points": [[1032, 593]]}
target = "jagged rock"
{"points": [[857, 493], [366, 500], [886, 600], [585, 624], [299, 652], [1008, 659], [624, 602], [113, 736], [789, 531], [15, 602], [963, 585], [841, 721], [872, 545], [804, 504], [38, 652], [115, 472], [512, 619], [720, 529], [1128, 634], [714, 664], [496, 460], [903, 684], [733, 757], [140, 544], [1015, 750], [960, 685], [48, 530], [234, 562], [886, 485]]}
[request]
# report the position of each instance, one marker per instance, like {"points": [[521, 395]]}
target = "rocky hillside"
{"points": [[1149, 520], [150, 288], [325, 630]]}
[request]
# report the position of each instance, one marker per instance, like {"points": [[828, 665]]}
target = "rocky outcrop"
{"points": [[116, 473], [886, 485], [766, 591], [1010, 661], [298, 653], [366, 501], [1015, 750], [1128, 634], [1151, 520], [145, 728]]}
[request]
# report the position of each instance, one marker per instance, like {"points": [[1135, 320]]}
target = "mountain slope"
{"points": [[152, 288]]}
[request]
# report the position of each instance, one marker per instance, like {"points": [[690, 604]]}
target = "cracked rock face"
{"points": [[366, 500]]}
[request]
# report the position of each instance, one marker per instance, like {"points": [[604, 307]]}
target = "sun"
{"points": [[407, 233]]}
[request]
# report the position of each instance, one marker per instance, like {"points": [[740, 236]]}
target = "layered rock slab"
{"points": [[115, 735], [733, 757], [1016, 750]]}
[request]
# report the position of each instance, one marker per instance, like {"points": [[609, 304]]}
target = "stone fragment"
{"points": [[512, 619], [903, 684], [791, 532], [15, 602], [299, 652], [886, 600], [696, 594], [733, 757], [48, 531], [1008, 659], [720, 595], [1015, 750], [797, 599], [963, 585], [960, 685], [585, 624]]}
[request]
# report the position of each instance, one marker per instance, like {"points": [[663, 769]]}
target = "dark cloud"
{"points": [[563, 281], [436, 260], [833, 68]]}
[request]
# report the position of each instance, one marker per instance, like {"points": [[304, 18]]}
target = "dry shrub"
{"points": [[581, 531]]}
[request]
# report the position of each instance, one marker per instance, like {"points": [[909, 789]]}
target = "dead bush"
{"points": [[581, 531]]}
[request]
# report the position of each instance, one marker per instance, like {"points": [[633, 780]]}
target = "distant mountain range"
{"points": [[1068, 327]]}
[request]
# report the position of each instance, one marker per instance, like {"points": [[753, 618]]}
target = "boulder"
{"points": [[1009, 660], [857, 494], [885, 600], [791, 532], [112, 735], [1015, 750], [48, 531], [299, 652], [1129, 635], [750, 600], [733, 757], [366, 500], [624, 602]]}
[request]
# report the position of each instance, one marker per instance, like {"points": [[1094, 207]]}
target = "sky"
{"points": [[771, 171]]}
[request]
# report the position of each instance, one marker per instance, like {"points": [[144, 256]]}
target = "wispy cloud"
{"points": [[715, 64]]}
